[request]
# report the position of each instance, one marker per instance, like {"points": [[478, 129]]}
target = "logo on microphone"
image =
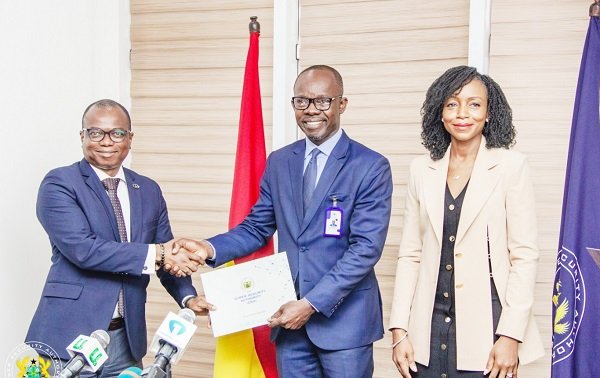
{"points": [[91, 349], [175, 333], [33, 359], [95, 354], [176, 327]]}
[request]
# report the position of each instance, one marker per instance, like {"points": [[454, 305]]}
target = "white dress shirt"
{"points": [[123, 195]]}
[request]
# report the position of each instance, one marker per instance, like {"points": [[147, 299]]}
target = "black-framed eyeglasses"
{"points": [[116, 135], [321, 103]]}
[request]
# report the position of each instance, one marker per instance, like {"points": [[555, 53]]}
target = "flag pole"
{"points": [[595, 9]]}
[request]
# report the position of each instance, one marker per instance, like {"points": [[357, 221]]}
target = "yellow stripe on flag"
{"points": [[235, 357]]}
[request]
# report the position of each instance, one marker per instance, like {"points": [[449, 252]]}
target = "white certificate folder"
{"points": [[247, 294]]}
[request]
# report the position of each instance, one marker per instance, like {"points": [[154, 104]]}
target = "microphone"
{"points": [[170, 342], [86, 352], [131, 372]]}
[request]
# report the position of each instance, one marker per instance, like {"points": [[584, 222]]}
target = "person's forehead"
{"points": [[316, 81], [473, 86], [97, 113], [102, 110]]}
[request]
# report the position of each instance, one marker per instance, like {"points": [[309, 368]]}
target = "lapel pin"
{"points": [[135, 186]]}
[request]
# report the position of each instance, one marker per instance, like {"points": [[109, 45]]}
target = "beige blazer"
{"points": [[499, 200]]}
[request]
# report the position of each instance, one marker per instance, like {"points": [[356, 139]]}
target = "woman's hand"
{"points": [[402, 353], [504, 360]]}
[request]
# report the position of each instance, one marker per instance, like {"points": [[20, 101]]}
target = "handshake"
{"points": [[181, 257]]}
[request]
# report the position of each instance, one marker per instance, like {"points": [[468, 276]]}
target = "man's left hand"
{"points": [[199, 305], [292, 315]]}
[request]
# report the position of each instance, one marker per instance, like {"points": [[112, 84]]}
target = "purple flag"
{"points": [[576, 291]]}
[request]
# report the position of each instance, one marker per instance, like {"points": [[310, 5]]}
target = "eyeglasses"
{"points": [[116, 135], [321, 103]]}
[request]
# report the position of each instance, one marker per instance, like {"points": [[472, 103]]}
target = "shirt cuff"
{"points": [[214, 258], [185, 299], [150, 260], [311, 304]]}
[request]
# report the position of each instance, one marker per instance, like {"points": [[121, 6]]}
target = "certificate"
{"points": [[247, 294]]}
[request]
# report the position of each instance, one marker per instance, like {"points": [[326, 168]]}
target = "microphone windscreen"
{"points": [[131, 372], [187, 314], [102, 337]]}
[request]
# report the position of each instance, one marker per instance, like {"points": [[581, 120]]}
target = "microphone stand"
{"points": [[161, 368]]}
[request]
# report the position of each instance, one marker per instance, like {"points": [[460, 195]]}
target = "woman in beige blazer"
{"points": [[468, 258]]}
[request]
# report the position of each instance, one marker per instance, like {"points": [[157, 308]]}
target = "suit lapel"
{"points": [[296, 165], [135, 206], [484, 179], [334, 164], [93, 182], [434, 191]]}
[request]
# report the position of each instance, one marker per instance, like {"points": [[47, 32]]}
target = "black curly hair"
{"points": [[499, 131]]}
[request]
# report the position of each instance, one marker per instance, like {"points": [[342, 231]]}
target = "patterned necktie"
{"points": [[310, 178], [111, 184]]}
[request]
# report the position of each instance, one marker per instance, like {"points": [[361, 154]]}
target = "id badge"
{"points": [[333, 220]]}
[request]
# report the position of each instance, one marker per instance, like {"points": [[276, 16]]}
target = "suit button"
{"points": [[443, 375], [443, 347], [452, 238], [448, 267], [447, 319], [451, 207], [446, 295]]}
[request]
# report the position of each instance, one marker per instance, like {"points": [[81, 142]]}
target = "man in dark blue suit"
{"points": [[306, 196], [102, 255]]}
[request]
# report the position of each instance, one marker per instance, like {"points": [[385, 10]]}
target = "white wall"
{"points": [[57, 57]]}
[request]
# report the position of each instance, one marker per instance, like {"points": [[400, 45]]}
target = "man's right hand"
{"points": [[200, 250], [199, 247], [178, 264]]}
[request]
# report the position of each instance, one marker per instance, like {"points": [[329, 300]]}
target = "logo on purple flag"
{"points": [[568, 301]]}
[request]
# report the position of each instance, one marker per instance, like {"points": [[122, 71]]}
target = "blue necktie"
{"points": [[310, 178]]}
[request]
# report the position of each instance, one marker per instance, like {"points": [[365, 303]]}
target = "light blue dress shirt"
{"points": [[325, 148]]}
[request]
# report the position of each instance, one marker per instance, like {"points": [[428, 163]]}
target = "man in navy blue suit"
{"points": [[331, 209], [105, 245]]}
